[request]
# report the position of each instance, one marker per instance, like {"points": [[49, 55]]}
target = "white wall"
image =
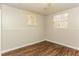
{"points": [[15, 31], [69, 36], [0, 28]]}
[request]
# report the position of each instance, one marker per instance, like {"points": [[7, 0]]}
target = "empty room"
{"points": [[39, 29]]}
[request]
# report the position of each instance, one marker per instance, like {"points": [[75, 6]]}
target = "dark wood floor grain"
{"points": [[44, 48]]}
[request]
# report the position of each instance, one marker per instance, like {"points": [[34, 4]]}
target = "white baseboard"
{"points": [[21, 46], [62, 44]]}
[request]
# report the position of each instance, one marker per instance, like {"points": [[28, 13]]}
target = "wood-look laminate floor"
{"points": [[44, 48]]}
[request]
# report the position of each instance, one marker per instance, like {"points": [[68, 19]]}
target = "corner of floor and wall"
{"points": [[16, 33]]}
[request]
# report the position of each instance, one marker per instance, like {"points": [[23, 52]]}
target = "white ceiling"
{"points": [[40, 7]]}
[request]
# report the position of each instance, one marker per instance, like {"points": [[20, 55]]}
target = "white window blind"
{"points": [[32, 20], [60, 21]]}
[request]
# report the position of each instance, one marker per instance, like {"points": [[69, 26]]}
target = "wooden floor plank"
{"points": [[44, 48]]}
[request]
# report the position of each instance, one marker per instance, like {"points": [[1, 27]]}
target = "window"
{"points": [[31, 20], [60, 21]]}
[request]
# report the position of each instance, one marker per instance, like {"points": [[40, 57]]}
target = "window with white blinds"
{"points": [[60, 21], [32, 19]]}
